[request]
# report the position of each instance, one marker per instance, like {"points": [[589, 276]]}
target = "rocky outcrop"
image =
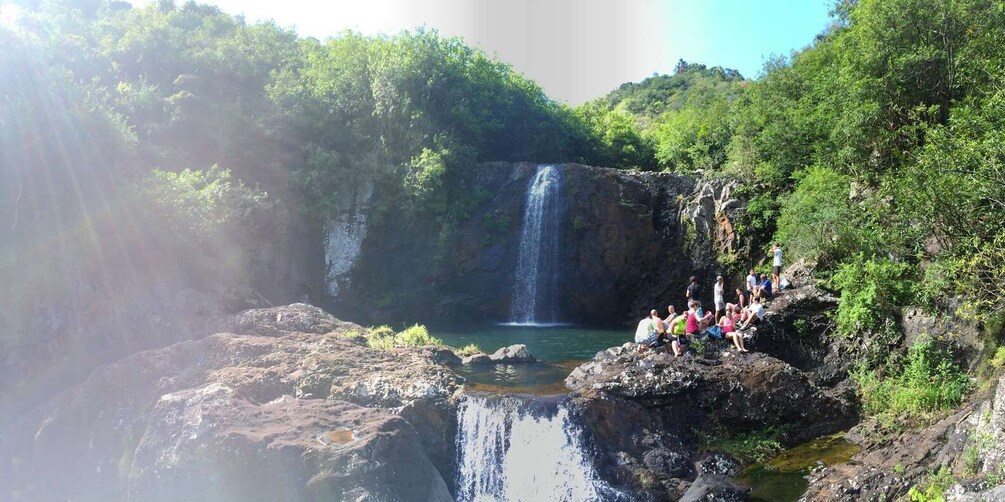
{"points": [[291, 406], [629, 240], [969, 444], [648, 413]]}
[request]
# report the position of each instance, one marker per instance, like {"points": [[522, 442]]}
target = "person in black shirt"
{"points": [[693, 289]]}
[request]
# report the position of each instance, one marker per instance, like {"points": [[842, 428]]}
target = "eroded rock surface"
{"points": [[647, 412], [255, 406]]}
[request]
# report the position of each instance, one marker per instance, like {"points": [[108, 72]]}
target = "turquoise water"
{"points": [[558, 349]]}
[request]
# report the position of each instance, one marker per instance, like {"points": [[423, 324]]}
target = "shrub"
{"points": [[752, 446], [817, 222], [416, 336], [468, 350], [933, 488], [926, 381], [871, 290], [384, 338]]}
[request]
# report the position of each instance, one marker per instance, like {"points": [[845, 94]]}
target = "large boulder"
{"points": [[119, 423], [715, 488], [647, 413], [517, 353], [211, 443]]}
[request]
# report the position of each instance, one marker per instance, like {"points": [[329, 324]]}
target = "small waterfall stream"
{"points": [[536, 288], [513, 449]]}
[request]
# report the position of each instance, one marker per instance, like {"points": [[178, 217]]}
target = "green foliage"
{"points": [[871, 289], [202, 204], [753, 446], [817, 222], [998, 360], [468, 350], [933, 488], [926, 382], [384, 337], [619, 143]]}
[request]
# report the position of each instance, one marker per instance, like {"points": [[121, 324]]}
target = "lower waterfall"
{"points": [[516, 449]]}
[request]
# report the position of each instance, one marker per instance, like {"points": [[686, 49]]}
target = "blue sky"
{"points": [[575, 49]]}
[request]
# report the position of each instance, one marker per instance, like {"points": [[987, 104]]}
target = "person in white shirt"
{"points": [[776, 268], [718, 296], [751, 282], [755, 313]]}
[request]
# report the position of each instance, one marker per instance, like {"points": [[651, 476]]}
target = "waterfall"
{"points": [[521, 449], [536, 290]]}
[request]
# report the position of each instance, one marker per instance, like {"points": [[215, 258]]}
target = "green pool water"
{"points": [[782, 479], [558, 349]]}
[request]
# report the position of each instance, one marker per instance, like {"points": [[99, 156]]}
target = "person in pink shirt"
{"points": [[728, 325]]}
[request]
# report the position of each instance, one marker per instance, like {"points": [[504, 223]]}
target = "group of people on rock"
{"points": [[728, 321]]}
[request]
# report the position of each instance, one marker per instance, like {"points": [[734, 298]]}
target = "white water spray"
{"points": [[509, 449]]}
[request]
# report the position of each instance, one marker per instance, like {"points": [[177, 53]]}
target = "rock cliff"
{"points": [[629, 241]]}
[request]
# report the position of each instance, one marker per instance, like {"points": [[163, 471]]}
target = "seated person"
{"points": [[755, 314], [678, 330], [728, 325], [654, 333], [741, 300], [765, 286], [696, 320], [671, 313]]}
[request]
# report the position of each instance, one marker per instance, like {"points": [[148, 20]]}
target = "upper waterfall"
{"points": [[535, 294]]}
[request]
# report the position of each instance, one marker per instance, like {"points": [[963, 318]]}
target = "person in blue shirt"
{"points": [[765, 285]]}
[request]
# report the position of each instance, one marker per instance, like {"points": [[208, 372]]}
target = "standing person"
{"points": [[776, 267], [693, 289], [751, 282], [718, 296]]}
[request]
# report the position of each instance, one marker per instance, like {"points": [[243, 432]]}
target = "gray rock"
{"points": [[513, 354], [715, 487], [479, 358], [719, 463]]}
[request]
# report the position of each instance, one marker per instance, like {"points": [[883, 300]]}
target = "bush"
{"points": [[468, 350], [933, 488], [871, 290], [926, 381], [384, 338], [817, 222], [752, 446]]}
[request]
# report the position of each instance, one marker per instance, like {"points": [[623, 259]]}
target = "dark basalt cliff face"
{"points": [[629, 241], [289, 407]]}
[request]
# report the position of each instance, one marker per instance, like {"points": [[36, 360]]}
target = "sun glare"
{"points": [[9, 16]]}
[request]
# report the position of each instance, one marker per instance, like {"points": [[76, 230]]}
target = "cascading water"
{"points": [[519, 449], [536, 289]]}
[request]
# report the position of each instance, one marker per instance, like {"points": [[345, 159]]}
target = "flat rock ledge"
{"points": [[291, 406]]}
